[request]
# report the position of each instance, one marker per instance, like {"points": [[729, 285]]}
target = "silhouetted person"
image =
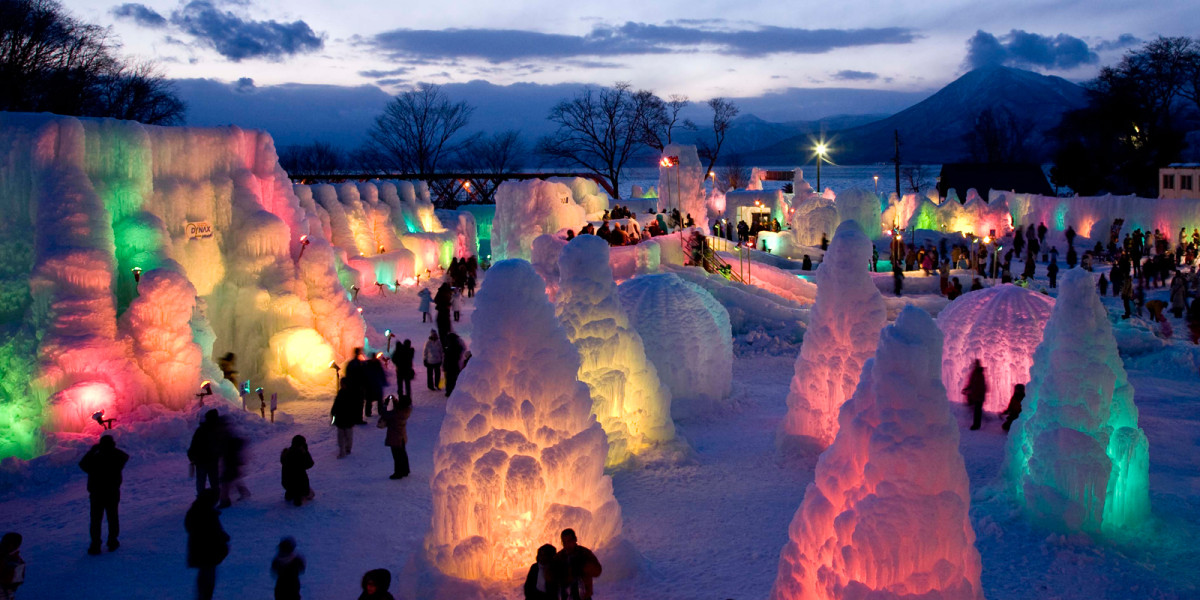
{"points": [[295, 461], [1014, 406], [355, 382], [897, 280], [233, 458], [577, 566], [103, 464], [205, 450], [207, 542], [1052, 273], [426, 299], [396, 423], [443, 301], [374, 382], [540, 583], [12, 566], [433, 356], [976, 391], [346, 414], [287, 567], [452, 347], [375, 584], [806, 264], [402, 360]]}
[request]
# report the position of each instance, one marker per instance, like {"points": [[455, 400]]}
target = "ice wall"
{"points": [[686, 333], [886, 514], [861, 206], [1001, 326], [99, 199], [1091, 216], [813, 218], [520, 456], [628, 399], [586, 193], [1076, 458], [843, 330], [527, 209], [682, 186]]}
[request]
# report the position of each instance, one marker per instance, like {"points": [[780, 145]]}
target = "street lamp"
{"points": [[821, 149], [876, 185]]}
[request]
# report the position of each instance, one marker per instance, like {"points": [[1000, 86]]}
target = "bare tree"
{"points": [[734, 174], [487, 158], [599, 130], [663, 118], [724, 111], [316, 158], [417, 131], [52, 62], [999, 136], [916, 178]]}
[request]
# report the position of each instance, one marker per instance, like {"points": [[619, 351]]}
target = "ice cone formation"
{"points": [[628, 399], [520, 456], [843, 331], [1077, 459], [886, 515]]}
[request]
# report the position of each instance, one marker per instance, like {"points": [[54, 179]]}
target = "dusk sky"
{"points": [[699, 48]]}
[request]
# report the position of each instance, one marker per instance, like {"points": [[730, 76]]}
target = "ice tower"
{"points": [[519, 457], [843, 330], [1077, 459], [886, 514], [628, 399]]}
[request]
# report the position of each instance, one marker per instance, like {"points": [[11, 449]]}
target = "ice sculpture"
{"points": [[842, 332], [1076, 457], [813, 218], [519, 457], [628, 399], [862, 206], [686, 333], [681, 184], [544, 253], [586, 193], [1001, 326], [886, 514], [527, 209], [209, 223]]}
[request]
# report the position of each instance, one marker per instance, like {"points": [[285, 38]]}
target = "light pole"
{"points": [[821, 149], [876, 185]]}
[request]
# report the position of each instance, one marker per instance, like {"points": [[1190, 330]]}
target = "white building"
{"points": [[1179, 181]]}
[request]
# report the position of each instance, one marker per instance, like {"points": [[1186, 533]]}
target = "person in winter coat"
{"points": [[452, 347], [1178, 295], [1127, 296], [1052, 273], [426, 299], [12, 566], [375, 381], [576, 568], [375, 584], [346, 413], [295, 461], [456, 304], [540, 583], [287, 567], [103, 464], [205, 450], [207, 542], [976, 391], [897, 280], [1014, 406], [396, 423], [233, 458], [402, 359], [442, 301], [806, 264], [356, 381], [1102, 283], [433, 357], [955, 290]]}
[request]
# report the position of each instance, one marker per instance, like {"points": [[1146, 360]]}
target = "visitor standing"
{"points": [[233, 458], [423, 307], [287, 567], [346, 414], [443, 301], [432, 355], [205, 451], [1014, 406], [375, 584], [374, 382], [540, 583], [354, 383], [207, 543], [577, 567], [976, 391], [103, 464], [295, 461], [456, 303], [1178, 295], [897, 280], [402, 360], [452, 348], [396, 423], [12, 566], [1127, 296], [1052, 274]]}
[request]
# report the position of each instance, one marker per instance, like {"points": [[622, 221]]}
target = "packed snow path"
{"points": [[709, 529]]}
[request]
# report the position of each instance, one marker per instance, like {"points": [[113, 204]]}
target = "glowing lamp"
{"points": [[987, 240], [205, 390], [381, 249], [137, 274], [98, 417], [304, 242], [359, 309], [354, 293]]}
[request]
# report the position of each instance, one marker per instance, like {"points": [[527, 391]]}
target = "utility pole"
{"points": [[896, 160]]}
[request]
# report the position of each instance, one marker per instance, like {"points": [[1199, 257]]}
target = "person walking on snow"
{"points": [[295, 461], [103, 465], [396, 422], [355, 382], [442, 301], [433, 356], [205, 451], [976, 391], [287, 567], [402, 360], [233, 458], [207, 542], [577, 567], [346, 413], [374, 382], [426, 300], [452, 347]]}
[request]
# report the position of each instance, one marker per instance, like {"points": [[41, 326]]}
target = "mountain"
{"points": [[748, 133], [932, 131]]}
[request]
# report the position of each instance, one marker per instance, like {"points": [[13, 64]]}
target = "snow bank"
{"points": [[886, 514], [628, 399], [843, 330], [1001, 326], [519, 457], [527, 209], [1076, 458], [687, 334]]}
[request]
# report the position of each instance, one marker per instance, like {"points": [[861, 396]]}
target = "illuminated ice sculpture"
{"points": [[1076, 458], [886, 516]]}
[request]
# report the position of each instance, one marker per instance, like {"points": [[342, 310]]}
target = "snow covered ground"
{"points": [[711, 527]]}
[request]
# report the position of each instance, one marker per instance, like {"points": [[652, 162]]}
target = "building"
{"points": [[1179, 181], [984, 177]]}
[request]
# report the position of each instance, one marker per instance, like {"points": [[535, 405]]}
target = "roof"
{"points": [[984, 177], [1184, 166]]}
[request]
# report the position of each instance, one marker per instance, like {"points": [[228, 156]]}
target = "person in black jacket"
{"points": [[374, 382], [205, 450], [452, 348], [375, 584], [355, 382], [346, 413], [540, 583], [287, 568], [207, 543], [442, 302], [296, 461], [103, 464], [402, 359]]}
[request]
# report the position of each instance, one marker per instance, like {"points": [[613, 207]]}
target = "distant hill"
{"points": [[749, 133], [932, 131]]}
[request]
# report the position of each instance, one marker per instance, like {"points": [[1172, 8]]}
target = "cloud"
{"points": [[1125, 40], [376, 73], [141, 14], [630, 38], [238, 38], [1019, 48], [244, 85], [850, 75]]}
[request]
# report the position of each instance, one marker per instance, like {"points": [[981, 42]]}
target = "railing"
{"points": [[715, 264]]}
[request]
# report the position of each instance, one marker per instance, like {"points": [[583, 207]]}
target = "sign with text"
{"points": [[198, 229]]}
